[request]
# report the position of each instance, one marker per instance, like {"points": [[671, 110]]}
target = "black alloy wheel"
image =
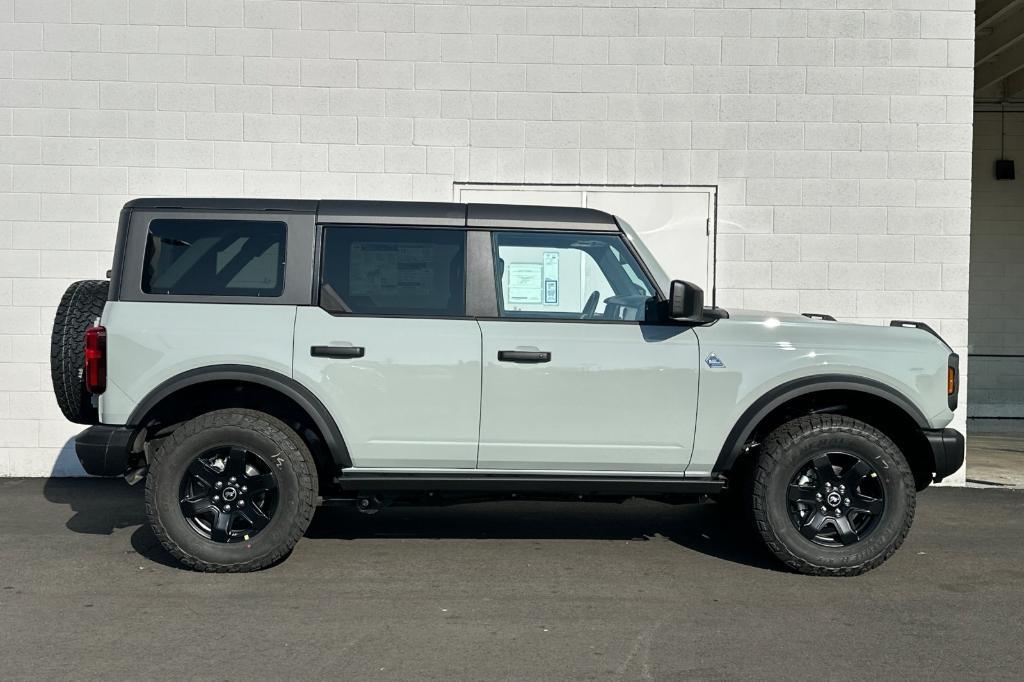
{"points": [[836, 499], [831, 495], [228, 494]]}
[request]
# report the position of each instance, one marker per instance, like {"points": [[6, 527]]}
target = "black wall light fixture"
{"points": [[1004, 166]]}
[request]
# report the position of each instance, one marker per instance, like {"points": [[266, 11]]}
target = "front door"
{"points": [[575, 375], [390, 351]]}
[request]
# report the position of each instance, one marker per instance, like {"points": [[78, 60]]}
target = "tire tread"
{"points": [[291, 446], [783, 439], [79, 307]]}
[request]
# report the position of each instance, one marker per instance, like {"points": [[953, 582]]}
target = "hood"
{"points": [[897, 331]]}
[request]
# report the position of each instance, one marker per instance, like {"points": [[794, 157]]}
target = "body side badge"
{"points": [[713, 361]]}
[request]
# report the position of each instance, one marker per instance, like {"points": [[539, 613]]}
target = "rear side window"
{"points": [[394, 271], [215, 258]]}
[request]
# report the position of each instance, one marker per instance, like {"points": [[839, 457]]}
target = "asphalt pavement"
{"points": [[510, 590]]}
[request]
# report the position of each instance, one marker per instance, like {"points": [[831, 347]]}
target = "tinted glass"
{"points": [[392, 271], [214, 258], [568, 276]]}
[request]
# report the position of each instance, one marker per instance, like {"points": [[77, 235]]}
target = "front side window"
{"points": [[548, 275], [214, 258], [394, 271]]}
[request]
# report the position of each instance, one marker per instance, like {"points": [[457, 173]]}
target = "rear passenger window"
{"points": [[394, 271], [214, 258]]}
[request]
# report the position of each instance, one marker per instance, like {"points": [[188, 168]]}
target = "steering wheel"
{"points": [[591, 306]]}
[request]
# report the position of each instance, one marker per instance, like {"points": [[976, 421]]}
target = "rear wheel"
{"points": [[231, 490], [832, 495]]}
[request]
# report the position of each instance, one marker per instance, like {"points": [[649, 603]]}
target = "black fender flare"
{"points": [[763, 406], [285, 385]]}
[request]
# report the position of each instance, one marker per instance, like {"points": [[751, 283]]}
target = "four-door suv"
{"points": [[253, 358]]}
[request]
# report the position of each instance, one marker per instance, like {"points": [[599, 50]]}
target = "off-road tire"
{"points": [[783, 453], [257, 432], [79, 308]]}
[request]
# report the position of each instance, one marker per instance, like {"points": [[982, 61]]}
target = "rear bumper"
{"points": [[103, 450], [947, 451]]}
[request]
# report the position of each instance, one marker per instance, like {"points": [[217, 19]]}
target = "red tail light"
{"points": [[95, 360]]}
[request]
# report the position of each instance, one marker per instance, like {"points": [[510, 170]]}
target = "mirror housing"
{"points": [[685, 302]]}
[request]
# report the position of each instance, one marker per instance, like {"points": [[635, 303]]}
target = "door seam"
{"points": [[480, 401]]}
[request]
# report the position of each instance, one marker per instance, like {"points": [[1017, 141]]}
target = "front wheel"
{"points": [[231, 490], [832, 495]]}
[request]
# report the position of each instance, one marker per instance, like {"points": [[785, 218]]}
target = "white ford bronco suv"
{"points": [[254, 358]]}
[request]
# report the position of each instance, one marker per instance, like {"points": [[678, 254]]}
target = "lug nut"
{"points": [[227, 507], [219, 484], [824, 508], [216, 498], [842, 488], [245, 489], [233, 479], [828, 486], [818, 495], [241, 503], [846, 501]]}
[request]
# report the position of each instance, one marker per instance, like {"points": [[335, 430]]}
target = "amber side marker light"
{"points": [[950, 381]]}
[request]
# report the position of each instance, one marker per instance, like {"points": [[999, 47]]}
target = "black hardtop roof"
{"points": [[419, 213]]}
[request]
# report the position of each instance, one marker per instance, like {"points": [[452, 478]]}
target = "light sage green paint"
{"points": [[149, 343], [413, 400], [613, 397], [762, 350], [430, 394]]}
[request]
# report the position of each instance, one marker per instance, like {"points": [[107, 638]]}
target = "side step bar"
{"points": [[529, 483]]}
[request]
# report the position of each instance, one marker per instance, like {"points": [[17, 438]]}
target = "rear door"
{"points": [[576, 376], [390, 349]]}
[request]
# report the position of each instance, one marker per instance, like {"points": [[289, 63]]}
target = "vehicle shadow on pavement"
{"points": [[100, 506], [705, 528]]}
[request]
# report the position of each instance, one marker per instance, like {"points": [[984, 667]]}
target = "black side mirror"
{"points": [[685, 302]]}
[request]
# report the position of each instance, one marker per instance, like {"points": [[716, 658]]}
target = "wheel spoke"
{"points": [[221, 530], [800, 493], [235, 463], [204, 472], [853, 477], [847, 535], [866, 505], [812, 526], [192, 508], [261, 483], [823, 465], [256, 516]]}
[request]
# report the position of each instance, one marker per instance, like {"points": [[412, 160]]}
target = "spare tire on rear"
{"points": [[79, 309]]}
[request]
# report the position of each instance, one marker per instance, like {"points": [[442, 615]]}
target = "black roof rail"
{"points": [[923, 326]]}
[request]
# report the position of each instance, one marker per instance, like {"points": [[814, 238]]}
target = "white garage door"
{"points": [[676, 223]]}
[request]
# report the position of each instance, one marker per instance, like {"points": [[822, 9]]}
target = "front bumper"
{"points": [[947, 446], [103, 450]]}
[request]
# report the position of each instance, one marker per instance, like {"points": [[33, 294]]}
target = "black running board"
{"points": [[529, 483]]}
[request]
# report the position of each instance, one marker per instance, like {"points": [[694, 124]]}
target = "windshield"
{"points": [[660, 278]]}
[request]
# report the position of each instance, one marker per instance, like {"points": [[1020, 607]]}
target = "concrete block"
{"points": [[554, 20], [272, 14], [441, 19], [244, 42], [600, 21]]}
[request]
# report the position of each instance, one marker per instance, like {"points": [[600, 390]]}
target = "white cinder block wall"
{"points": [[838, 132]]}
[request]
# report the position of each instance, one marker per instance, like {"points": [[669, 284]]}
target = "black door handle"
{"points": [[337, 351], [524, 356]]}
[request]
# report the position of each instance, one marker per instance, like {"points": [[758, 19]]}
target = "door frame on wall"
{"points": [[711, 225]]}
